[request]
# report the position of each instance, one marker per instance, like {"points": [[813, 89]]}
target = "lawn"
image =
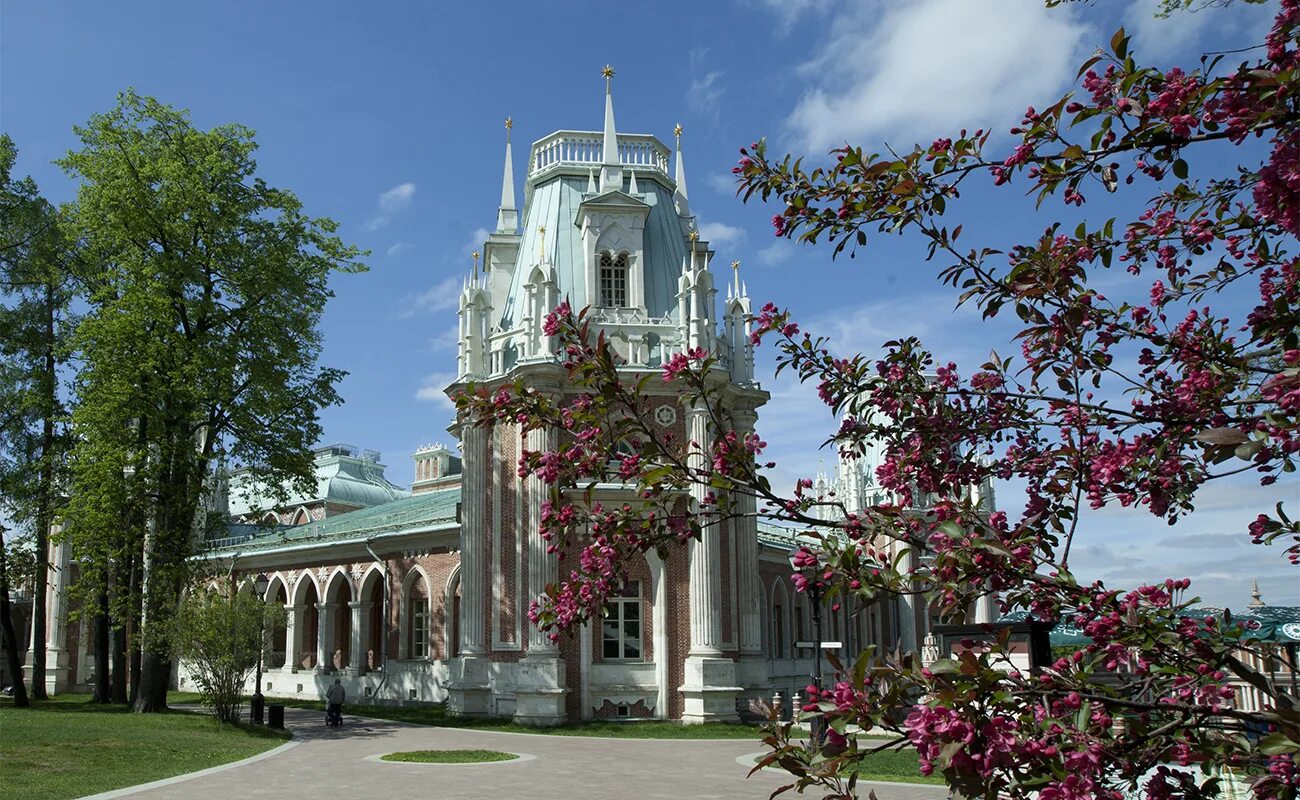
{"points": [[69, 747], [449, 756], [437, 716], [892, 765]]}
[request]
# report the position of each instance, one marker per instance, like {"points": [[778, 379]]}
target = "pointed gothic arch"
{"points": [[301, 516], [451, 614], [414, 614], [374, 624], [779, 621]]}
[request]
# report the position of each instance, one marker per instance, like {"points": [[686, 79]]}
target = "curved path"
{"points": [[336, 763]]}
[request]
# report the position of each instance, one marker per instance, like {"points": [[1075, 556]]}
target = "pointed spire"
{"points": [[632, 188], [679, 177], [507, 215], [591, 181], [475, 254], [735, 271], [611, 173], [1256, 599]]}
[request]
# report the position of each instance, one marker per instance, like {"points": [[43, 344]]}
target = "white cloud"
{"points": [[475, 242], [776, 253], [722, 183], [399, 248], [397, 198], [432, 389], [789, 12], [391, 202], [721, 234], [1176, 37], [447, 340], [704, 94], [914, 71], [440, 297]]}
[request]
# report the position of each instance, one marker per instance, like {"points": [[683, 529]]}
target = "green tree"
{"points": [[217, 637], [200, 345], [35, 327]]}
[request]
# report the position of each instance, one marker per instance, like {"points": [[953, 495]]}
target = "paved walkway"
{"points": [[339, 763]]}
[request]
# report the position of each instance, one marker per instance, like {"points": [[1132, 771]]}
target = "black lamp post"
{"points": [[260, 584], [815, 597]]}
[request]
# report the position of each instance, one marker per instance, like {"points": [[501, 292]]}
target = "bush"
{"points": [[217, 639]]}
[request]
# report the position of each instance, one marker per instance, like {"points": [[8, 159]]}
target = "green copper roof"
{"points": [[554, 204], [341, 477], [418, 512]]}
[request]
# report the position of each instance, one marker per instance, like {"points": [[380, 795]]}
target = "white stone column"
{"points": [[469, 689], [746, 527], [705, 561], [356, 658], [540, 683], [907, 605], [473, 529], [324, 636], [709, 688], [292, 614], [56, 618], [543, 567]]}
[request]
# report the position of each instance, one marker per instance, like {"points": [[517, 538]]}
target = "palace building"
{"points": [[423, 596]]}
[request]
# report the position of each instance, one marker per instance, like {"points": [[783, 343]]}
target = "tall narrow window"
{"points": [[613, 280], [419, 628], [778, 631], [621, 638]]}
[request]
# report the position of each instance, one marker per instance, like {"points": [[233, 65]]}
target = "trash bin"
{"points": [[275, 715]]}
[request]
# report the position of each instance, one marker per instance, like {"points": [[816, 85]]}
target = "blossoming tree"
{"points": [[1137, 397]]}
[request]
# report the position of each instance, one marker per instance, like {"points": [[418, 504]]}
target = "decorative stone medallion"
{"points": [[666, 416]]}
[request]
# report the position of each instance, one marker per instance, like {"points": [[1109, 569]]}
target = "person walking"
{"points": [[334, 698]]}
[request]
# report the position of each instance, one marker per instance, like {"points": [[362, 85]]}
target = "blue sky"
{"points": [[388, 118]]}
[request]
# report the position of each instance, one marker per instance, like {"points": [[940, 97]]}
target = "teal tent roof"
{"points": [[553, 204]]}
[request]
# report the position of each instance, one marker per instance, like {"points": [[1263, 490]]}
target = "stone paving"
{"points": [[330, 763]]}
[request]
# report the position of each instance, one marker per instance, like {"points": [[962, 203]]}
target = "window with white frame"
{"points": [[419, 627], [621, 637], [613, 280]]}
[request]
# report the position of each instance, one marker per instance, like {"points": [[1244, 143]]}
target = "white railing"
{"points": [[586, 148]]}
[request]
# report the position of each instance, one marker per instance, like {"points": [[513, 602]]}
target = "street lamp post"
{"points": [[799, 564], [258, 702]]}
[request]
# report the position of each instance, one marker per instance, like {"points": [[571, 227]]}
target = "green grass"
{"points": [[449, 756], [900, 766], [438, 717], [70, 747]]}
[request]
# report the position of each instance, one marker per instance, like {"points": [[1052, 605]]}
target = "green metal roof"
{"points": [[421, 511], [554, 204]]}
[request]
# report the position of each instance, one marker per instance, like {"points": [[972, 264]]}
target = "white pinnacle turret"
{"points": [[507, 214], [611, 171], [679, 177]]}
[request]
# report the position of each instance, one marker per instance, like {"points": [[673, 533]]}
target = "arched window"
{"points": [[613, 280], [417, 619]]}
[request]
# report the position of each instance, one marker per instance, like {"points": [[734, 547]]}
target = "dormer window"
{"points": [[613, 280]]}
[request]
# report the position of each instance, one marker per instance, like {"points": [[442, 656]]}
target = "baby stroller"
{"points": [[333, 715]]}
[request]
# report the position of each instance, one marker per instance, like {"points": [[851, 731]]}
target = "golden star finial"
{"points": [[475, 255], [735, 267], [608, 71], [510, 123], [677, 131], [694, 236]]}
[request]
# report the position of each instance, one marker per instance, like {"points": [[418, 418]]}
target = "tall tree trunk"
{"points": [[137, 611], [117, 648], [12, 662], [44, 501], [103, 689]]}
